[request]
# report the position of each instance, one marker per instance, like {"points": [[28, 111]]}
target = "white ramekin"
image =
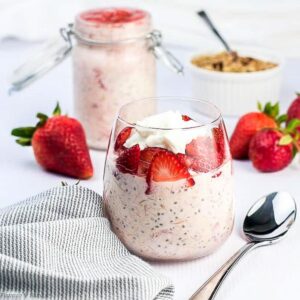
{"points": [[238, 93]]}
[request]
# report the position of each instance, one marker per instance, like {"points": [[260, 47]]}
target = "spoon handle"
{"points": [[209, 289], [208, 21]]}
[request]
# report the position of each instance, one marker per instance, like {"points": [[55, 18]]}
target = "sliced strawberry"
{"points": [[122, 138], [128, 161], [190, 182], [186, 118], [185, 160], [195, 147], [145, 159], [208, 153], [218, 134], [165, 166]]}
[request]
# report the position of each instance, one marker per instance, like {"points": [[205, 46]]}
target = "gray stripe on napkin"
{"points": [[58, 245]]}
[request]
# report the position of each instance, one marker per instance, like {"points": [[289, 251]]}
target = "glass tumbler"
{"points": [[168, 181]]}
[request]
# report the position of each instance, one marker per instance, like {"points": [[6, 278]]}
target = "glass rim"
{"points": [[164, 98]]}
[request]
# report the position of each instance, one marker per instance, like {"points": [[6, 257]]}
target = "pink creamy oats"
{"points": [[108, 76], [173, 222]]}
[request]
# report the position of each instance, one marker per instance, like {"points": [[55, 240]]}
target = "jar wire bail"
{"points": [[160, 52], [66, 33]]}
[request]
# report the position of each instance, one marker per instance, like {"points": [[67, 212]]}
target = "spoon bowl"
{"points": [[270, 218]]}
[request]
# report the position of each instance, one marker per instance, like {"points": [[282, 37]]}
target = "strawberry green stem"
{"points": [[24, 141], [57, 110], [281, 119], [25, 134]]}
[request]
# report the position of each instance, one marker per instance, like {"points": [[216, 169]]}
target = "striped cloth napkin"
{"points": [[58, 245]]}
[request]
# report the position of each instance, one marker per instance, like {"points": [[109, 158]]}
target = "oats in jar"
{"points": [[231, 62]]}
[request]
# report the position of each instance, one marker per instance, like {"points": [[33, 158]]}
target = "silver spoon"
{"points": [[210, 24], [267, 221]]}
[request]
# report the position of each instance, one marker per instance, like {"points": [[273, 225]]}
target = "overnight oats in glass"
{"points": [[168, 183], [112, 65]]}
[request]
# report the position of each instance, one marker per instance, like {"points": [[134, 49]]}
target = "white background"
{"points": [[268, 273], [269, 23]]}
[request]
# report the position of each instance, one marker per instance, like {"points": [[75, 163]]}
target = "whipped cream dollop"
{"points": [[174, 140]]}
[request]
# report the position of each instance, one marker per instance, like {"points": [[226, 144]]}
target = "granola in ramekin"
{"points": [[231, 62]]}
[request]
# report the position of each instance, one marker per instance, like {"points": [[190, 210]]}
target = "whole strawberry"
{"points": [[294, 109], [59, 144], [248, 125], [270, 150]]}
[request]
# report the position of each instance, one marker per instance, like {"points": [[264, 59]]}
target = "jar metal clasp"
{"points": [[160, 52], [66, 33]]}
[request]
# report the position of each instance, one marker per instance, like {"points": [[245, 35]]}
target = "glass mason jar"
{"points": [[117, 68], [168, 182], [113, 62]]}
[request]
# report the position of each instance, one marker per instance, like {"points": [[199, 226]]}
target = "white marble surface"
{"points": [[268, 273]]}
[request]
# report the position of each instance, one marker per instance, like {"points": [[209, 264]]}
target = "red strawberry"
{"points": [[207, 152], [245, 129], [197, 146], [185, 160], [220, 141], [128, 161], [59, 145], [145, 159], [293, 117], [165, 166], [294, 109], [267, 151], [186, 118], [122, 138]]}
